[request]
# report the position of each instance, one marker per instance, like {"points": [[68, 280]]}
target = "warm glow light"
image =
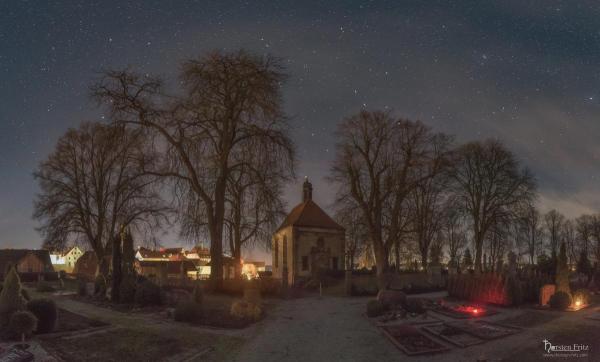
{"points": [[577, 303], [475, 311]]}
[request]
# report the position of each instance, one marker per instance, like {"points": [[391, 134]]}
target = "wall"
{"points": [[278, 238], [306, 239]]}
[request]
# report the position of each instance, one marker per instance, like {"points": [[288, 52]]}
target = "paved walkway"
{"points": [[334, 329]]}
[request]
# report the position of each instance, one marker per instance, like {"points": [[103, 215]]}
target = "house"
{"points": [[71, 257], [145, 254], [30, 264], [66, 261], [200, 256], [163, 270], [308, 241]]}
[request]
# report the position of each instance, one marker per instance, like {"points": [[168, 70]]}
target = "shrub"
{"points": [[391, 298], [560, 301], [243, 310], [46, 313], [270, 286], [62, 274], [415, 305], [252, 293], [44, 287], [25, 294], [198, 294], [147, 293], [11, 299], [100, 286], [127, 290], [188, 311], [583, 295], [22, 323], [374, 308]]}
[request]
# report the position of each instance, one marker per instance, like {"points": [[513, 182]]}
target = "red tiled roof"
{"points": [[309, 214], [147, 253]]}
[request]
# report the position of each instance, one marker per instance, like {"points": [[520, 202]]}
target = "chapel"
{"points": [[308, 242]]}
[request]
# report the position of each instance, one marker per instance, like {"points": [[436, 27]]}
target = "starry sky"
{"points": [[526, 72]]}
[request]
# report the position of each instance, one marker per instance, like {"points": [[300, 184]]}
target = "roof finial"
{"points": [[306, 190]]}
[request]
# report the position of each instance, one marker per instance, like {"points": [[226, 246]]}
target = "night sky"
{"points": [[526, 72]]}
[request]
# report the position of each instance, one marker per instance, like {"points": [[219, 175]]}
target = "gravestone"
{"points": [[546, 292]]}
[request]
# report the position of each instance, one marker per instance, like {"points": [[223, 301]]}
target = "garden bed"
{"points": [[453, 335], [484, 329], [411, 340], [118, 345], [462, 311]]}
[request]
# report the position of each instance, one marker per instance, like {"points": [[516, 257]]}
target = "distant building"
{"points": [[66, 260], [251, 269], [307, 242], [165, 269], [145, 254], [30, 264]]}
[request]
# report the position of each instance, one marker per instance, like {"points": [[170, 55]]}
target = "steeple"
{"points": [[306, 190]]}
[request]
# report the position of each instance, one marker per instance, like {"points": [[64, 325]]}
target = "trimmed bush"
{"points": [[46, 313], [147, 293], [583, 295], [560, 300], [374, 308], [415, 305], [243, 310], [127, 290], [22, 323], [188, 311], [252, 293], [11, 298], [44, 287], [391, 298], [25, 294]]}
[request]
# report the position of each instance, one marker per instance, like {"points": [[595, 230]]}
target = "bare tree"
{"points": [[498, 242], [93, 183], [489, 185], [454, 234], [583, 228], [554, 224], [428, 199], [230, 103], [376, 155], [356, 234], [570, 240], [532, 227]]}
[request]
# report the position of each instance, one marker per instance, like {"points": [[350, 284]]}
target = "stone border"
{"points": [[416, 331], [476, 341]]}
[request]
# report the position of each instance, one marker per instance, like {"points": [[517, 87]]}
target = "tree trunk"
{"points": [[478, 253], [216, 236], [381, 264], [424, 259]]}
